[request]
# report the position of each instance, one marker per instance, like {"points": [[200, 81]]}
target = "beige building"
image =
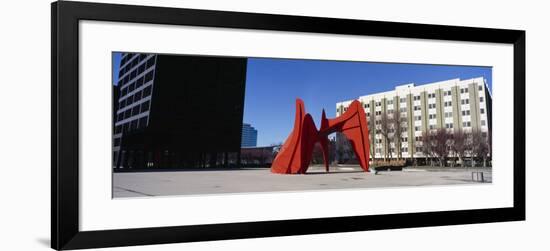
{"points": [[452, 104]]}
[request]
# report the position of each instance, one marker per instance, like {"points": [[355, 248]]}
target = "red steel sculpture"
{"points": [[296, 153]]}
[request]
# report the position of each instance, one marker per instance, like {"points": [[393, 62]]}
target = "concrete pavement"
{"points": [[247, 180]]}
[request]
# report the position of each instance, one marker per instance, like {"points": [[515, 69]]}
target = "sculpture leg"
{"points": [[295, 154], [324, 147]]}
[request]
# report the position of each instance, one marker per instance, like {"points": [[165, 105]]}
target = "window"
{"points": [[132, 87], [483, 122], [130, 100], [482, 111], [404, 139], [449, 125], [147, 92], [404, 149], [366, 105], [466, 112], [133, 74], [466, 124], [141, 69], [446, 93], [118, 129], [139, 82], [465, 101], [378, 103], [135, 110], [133, 126], [403, 109], [416, 97], [418, 138], [417, 108], [128, 113], [116, 142], [390, 111], [390, 102], [419, 149], [127, 78], [464, 90], [417, 117], [134, 62], [480, 99], [432, 116], [150, 62], [122, 104], [149, 76], [123, 92], [431, 95], [368, 114], [431, 106], [402, 100], [143, 122], [137, 96], [145, 106], [417, 128], [432, 127], [120, 116], [481, 88], [448, 103]]}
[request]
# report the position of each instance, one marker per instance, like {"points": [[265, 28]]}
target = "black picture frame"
{"points": [[65, 233]]}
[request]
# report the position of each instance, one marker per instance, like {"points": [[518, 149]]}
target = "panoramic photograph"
{"points": [[199, 125]]}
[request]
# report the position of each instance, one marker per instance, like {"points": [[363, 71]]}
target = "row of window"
{"points": [[138, 83], [417, 97], [136, 61], [416, 108], [430, 116], [131, 126], [133, 111], [136, 97], [142, 68], [126, 57]]}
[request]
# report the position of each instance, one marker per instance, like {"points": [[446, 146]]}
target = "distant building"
{"points": [[453, 104], [177, 111], [249, 136]]}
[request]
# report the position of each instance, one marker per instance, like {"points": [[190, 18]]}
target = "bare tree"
{"points": [[425, 143], [372, 128], [317, 155], [398, 129], [480, 147], [440, 141], [385, 131], [344, 149], [460, 145]]}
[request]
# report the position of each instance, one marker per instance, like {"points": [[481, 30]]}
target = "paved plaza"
{"points": [[247, 180]]}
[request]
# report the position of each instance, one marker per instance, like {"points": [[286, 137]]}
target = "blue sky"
{"points": [[272, 86], [116, 66]]}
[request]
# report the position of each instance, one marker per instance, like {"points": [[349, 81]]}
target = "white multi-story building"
{"points": [[452, 104]]}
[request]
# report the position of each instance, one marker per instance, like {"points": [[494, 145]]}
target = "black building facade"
{"points": [[178, 111]]}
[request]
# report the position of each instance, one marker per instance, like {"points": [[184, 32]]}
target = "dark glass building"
{"points": [[178, 111]]}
